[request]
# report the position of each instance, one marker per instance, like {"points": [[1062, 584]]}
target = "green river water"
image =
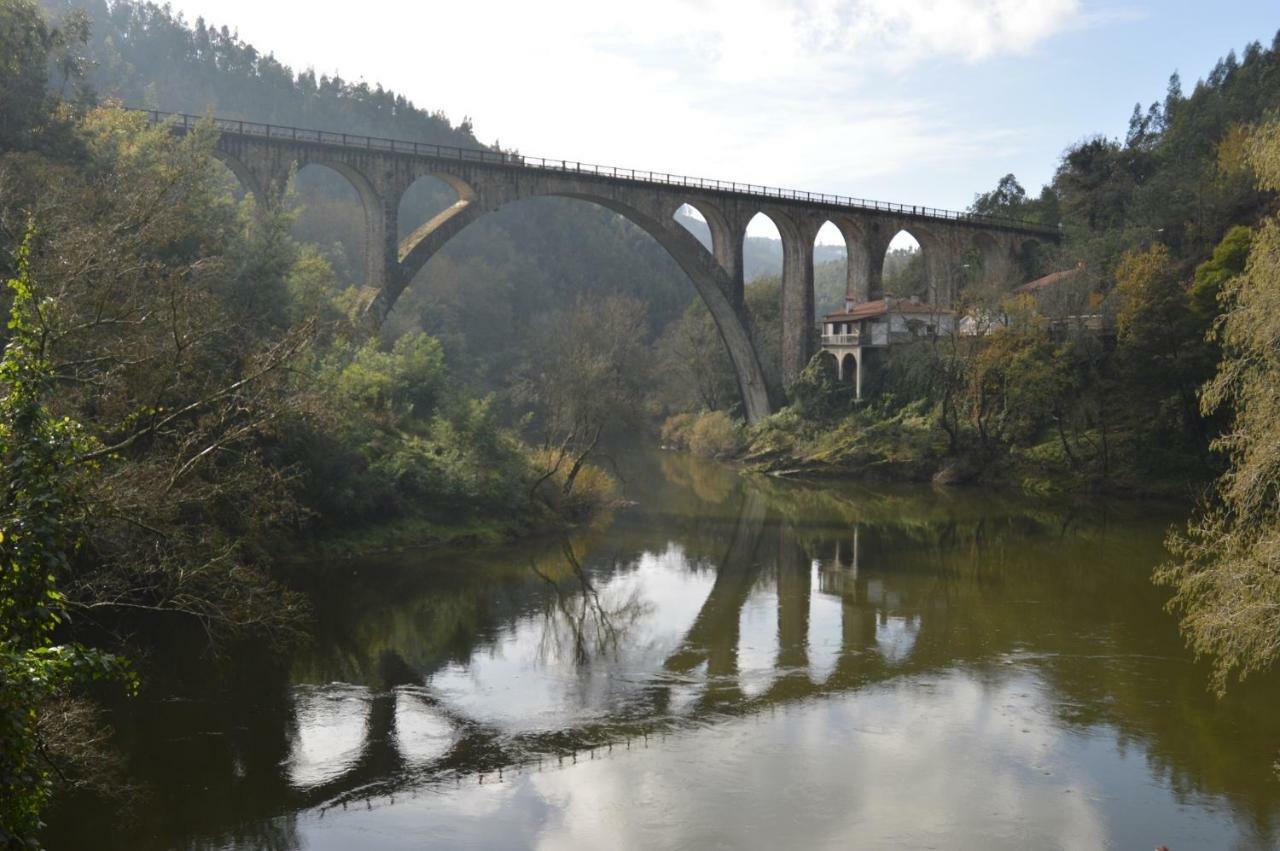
{"points": [[734, 662]]}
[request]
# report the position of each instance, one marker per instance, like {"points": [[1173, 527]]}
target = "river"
{"points": [[733, 662]]}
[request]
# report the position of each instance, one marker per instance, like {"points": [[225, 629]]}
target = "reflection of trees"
{"points": [[580, 620], [978, 580], [709, 481]]}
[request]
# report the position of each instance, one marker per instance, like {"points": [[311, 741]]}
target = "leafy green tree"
{"points": [[816, 394], [41, 505], [1228, 260], [1160, 342], [1007, 199], [905, 274], [28, 47], [1226, 571], [693, 364]]}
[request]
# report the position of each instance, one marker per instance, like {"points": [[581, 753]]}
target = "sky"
{"points": [[917, 101]]}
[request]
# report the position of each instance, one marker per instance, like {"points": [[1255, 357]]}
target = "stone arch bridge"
{"points": [[262, 156]]}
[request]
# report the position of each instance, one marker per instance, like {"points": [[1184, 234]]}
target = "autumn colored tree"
{"points": [[1226, 570]]}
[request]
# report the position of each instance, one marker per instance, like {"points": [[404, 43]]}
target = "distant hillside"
{"points": [[761, 256], [521, 262]]}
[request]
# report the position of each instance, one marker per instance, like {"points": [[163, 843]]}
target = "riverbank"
{"points": [[909, 445], [423, 533], [551, 511]]}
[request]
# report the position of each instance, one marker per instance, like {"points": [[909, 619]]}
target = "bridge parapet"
{"points": [[486, 156]]}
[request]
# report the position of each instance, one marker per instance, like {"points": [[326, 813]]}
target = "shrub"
{"points": [[714, 435], [593, 489], [816, 394], [711, 434], [675, 430]]}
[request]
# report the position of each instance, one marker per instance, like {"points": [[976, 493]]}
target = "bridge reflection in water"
{"points": [[719, 598]]}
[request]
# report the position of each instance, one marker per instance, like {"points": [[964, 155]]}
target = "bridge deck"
{"points": [[184, 122]]}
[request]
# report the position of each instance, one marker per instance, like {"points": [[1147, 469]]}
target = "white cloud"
{"points": [[970, 29], [802, 94]]}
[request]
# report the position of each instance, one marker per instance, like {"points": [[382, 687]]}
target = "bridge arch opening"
{"points": [[1034, 258], [333, 213], [232, 178], [763, 251], [830, 269], [695, 221], [426, 197], [673, 244], [904, 273]]}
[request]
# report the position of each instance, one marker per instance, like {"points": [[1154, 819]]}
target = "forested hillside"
{"points": [[1093, 382], [187, 400], [524, 261]]}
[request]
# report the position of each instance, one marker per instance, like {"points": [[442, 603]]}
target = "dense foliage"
{"points": [[482, 295], [41, 514], [1090, 382], [187, 395], [1227, 572]]}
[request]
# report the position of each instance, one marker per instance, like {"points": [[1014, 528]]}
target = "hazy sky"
{"points": [[918, 101]]}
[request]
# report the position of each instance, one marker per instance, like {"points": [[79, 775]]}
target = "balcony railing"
{"points": [[841, 339], [183, 122]]}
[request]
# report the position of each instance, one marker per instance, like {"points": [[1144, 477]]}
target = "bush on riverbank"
{"points": [[710, 434], [875, 442], [592, 490], [1014, 409]]}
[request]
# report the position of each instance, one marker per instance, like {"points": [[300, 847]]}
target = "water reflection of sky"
{"points": [[524, 681], [955, 759], [528, 679], [947, 674], [329, 733], [950, 761], [814, 703]]}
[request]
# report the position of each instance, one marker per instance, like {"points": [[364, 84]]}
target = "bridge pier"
{"points": [[797, 293]]}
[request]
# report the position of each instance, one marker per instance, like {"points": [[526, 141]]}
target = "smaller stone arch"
{"points": [[865, 240], [717, 225], [799, 335], [830, 236], [359, 181], [725, 240], [755, 221], [434, 211], [831, 364], [993, 257], [898, 237], [245, 175], [379, 224], [851, 372]]}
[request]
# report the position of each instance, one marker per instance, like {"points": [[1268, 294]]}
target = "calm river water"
{"points": [[732, 663]]}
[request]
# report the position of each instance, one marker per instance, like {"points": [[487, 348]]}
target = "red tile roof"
{"points": [[1048, 280], [882, 306]]}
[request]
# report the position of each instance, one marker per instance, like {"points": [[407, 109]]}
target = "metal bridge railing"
{"points": [[185, 122]]}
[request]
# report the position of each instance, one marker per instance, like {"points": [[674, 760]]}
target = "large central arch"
{"points": [[712, 282], [392, 266]]}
